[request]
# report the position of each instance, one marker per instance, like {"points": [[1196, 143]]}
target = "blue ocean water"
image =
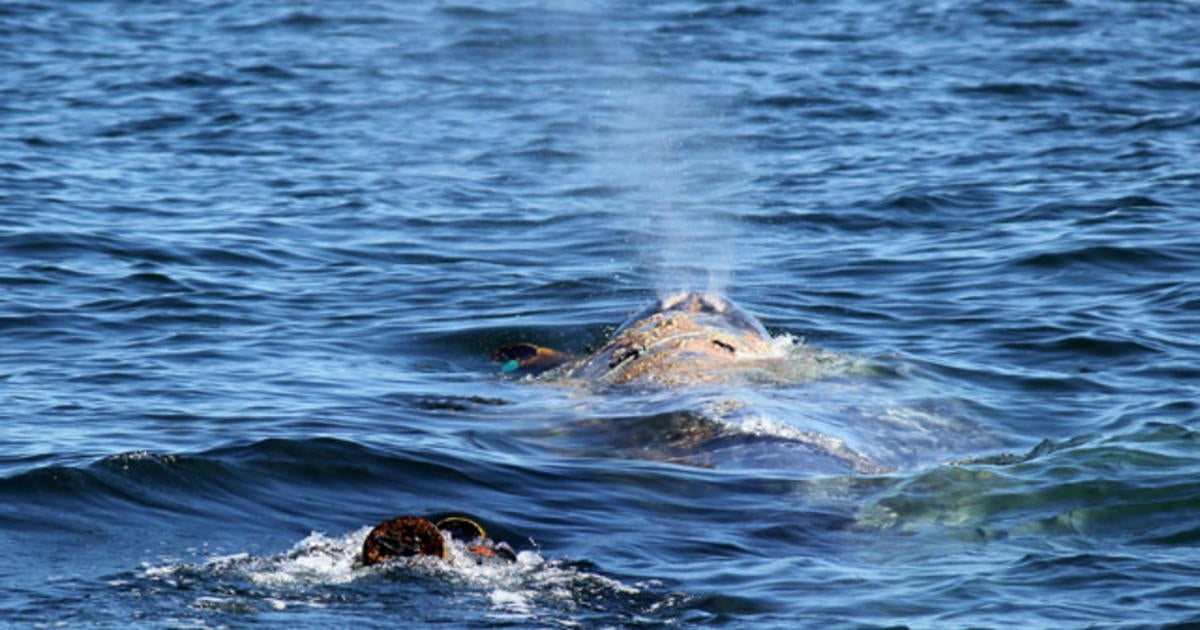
{"points": [[254, 257]]}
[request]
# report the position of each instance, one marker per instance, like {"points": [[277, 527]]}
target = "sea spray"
{"points": [[663, 146], [661, 156]]}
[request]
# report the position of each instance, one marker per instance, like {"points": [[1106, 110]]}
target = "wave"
{"points": [[323, 571], [212, 513], [232, 480]]}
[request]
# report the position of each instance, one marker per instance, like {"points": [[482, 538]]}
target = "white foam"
{"points": [[512, 590], [764, 426], [512, 602], [317, 559]]}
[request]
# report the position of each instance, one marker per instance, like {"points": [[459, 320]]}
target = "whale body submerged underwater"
{"points": [[723, 391]]}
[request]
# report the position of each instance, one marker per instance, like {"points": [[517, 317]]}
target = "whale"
{"points": [[685, 339]]}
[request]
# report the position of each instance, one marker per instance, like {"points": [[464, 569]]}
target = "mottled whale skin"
{"points": [[685, 339]]}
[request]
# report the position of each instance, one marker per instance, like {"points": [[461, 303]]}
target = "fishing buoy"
{"points": [[409, 536], [403, 537]]}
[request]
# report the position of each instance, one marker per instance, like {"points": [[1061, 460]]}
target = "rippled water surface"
{"points": [[254, 257]]}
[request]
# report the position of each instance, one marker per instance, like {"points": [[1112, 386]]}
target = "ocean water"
{"points": [[254, 257]]}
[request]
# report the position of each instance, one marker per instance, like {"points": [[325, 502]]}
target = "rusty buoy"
{"points": [[401, 537]]}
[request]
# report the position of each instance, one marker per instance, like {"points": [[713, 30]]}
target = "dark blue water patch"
{"points": [[724, 14], [1113, 257], [790, 101], [1091, 346], [1057, 56], [1025, 91], [268, 72], [910, 210], [298, 20], [62, 245], [1162, 122], [1169, 84], [148, 126]]}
